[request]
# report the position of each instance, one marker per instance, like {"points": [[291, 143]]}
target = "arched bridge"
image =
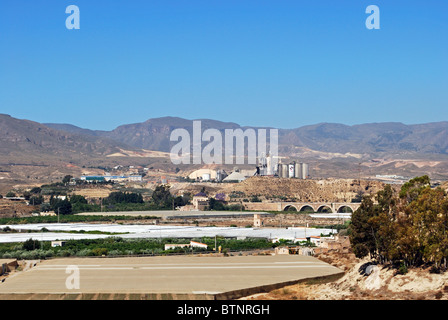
{"points": [[320, 207]]}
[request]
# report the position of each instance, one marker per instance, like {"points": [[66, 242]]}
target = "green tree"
{"points": [[411, 189], [216, 205], [358, 197], [123, 197], [31, 244], [162, 197], [67, 179], [45, 207], [78, 199], [36, 190], [63, 207], [362, 234], [428, 222], [408, 229], [36, 200]]}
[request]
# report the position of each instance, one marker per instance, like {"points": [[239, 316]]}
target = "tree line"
{"points": [[405, 228], [161, 199], [116, 246]]}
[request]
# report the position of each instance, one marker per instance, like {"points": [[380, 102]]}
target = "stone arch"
{"points": [[345, 209], [324, 209], [306, 208], [290, 207]]}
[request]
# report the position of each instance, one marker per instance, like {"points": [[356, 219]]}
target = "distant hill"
{"points": [[24, 137], [372, 139], [38, 153], [24, 140], [153, 134], [73, 129]]}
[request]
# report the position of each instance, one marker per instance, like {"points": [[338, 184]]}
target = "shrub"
{"points": [[114, 253], [49, 253], [31, 244], [64, 253], [27, 255], [129, 252], [83, 253], [7, 255], [403, 269], [99, 251]]}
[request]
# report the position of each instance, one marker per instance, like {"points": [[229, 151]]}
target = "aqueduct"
{"points": [[320, 207]]}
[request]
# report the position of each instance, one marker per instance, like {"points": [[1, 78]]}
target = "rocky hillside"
{"points": [[26, 141], [382, 283], [373, 139], [268, 188], [333, 190]]}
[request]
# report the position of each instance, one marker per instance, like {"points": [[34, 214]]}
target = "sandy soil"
{"points": [[382, 284]]}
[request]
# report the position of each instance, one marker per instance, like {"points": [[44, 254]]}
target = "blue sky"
{"points": [[254, 62]]}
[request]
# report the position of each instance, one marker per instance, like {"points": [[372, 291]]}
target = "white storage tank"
{"points": [[305, 171], [291, 171], [285, 171], [298, 171]]}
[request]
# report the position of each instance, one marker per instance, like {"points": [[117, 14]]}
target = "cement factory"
{"points": [[293, 170], [267, 166]]}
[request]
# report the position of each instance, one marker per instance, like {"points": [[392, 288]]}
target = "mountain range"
{"points": [[24, 137], [372, 139], [33, 153]]}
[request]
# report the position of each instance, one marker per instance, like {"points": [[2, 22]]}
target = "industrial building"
{"points": [[136, 178], [269, 166], [203, 174], [235, 177], [294, 170], [200, 201]]}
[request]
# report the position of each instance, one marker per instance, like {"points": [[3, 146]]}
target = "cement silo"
{"points": [[219, 176], [285, 173], [269, 169], [298, 171], [305, 171], [291, 170]]}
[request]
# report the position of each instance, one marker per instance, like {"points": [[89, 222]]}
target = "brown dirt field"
{"points": [[10, 208]]}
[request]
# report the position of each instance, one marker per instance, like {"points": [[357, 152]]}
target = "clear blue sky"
{"points": [[273, 63]]}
